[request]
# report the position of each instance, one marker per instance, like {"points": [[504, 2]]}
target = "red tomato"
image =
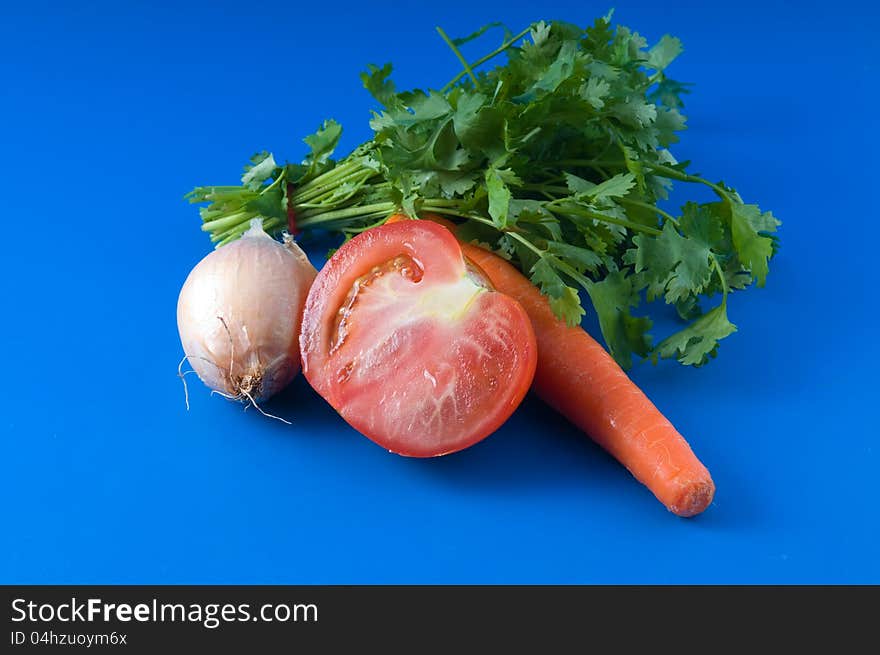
{"points": [[410, 343]]}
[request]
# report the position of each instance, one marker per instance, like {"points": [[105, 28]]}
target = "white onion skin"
{"points": [[258, 287]]}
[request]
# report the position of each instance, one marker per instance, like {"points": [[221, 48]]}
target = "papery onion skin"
{"points": [[239, 315]]}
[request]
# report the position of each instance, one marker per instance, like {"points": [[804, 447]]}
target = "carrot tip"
{"points": [[694, 499]]}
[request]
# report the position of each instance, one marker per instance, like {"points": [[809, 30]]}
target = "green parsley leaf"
{"points": [[322, 144], [554, 75], [694, 345], [377, 83], [671, 264], [753, 246], [614, 187], [499, 198], [662, 54], [262, 167], [582, 259], [625, 334], [563, 299], [595, 91]]}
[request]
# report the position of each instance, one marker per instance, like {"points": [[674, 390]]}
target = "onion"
{"points": [[239, 315]]}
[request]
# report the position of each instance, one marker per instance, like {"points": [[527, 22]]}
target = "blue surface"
{"points": [[110, 112]]}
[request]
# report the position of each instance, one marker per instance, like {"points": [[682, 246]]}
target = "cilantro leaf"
{"points": [[322, 143], [563, 299], [568, 306], [578, 185], [555, 74], [261, 168], [668, 93], [754, 247], [667, 124], [635, 111], [703, 224], [663, 52], [694, 345], [499, 198], [594, 91], [624, 334], [614, 187], [582, 259], [376, 81], [671, 263]]}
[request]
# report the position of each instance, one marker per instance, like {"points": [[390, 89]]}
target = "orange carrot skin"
{"points": [[578, 378]]}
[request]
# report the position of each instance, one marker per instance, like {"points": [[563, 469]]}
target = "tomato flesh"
{"points": [[411, 345]]}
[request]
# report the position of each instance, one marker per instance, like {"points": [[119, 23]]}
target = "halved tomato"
{"points": [[410, 343]]}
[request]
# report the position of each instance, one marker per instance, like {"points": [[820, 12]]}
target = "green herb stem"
{"points": [[646, 205], [311, 219], [675, 174], [227, 222], [460, 57], [482, 60], [571, 210]]}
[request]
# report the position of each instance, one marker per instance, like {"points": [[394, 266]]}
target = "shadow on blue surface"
{"points": [[537, 453], [502, 458], [535, 449]]}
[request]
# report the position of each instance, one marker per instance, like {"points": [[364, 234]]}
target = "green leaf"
{"points": [[753, 247], [543, 275], [689, 308], [268, 205], [595, 91], [614, 187], [662, 54], [376, 81], [480, 128], [564, 300], [526, 212], [634, 166], [624, 334], [567, 307], [454, 183], [323, 142], [421, 108], [509, 176], [603, 70], [703, 223], [582, 259], [599, 35], [668, 123], [578, 185], [694, 345], [261, 169], [539, 33], [424, 108], [437, 150], [555, 74], [668, 93], [635, 111], [466, 118], [671, 263], [499, 198]]}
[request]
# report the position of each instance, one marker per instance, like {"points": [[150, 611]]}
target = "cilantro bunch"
{"points": [[555, 159]]}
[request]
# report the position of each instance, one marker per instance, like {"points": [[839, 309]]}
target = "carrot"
{"points": [[578, 378]]}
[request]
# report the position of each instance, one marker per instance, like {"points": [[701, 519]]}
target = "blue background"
{"points": [[111, 111]]}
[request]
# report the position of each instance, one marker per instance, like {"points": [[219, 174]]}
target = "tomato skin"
{"points": [[403, 338]]}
